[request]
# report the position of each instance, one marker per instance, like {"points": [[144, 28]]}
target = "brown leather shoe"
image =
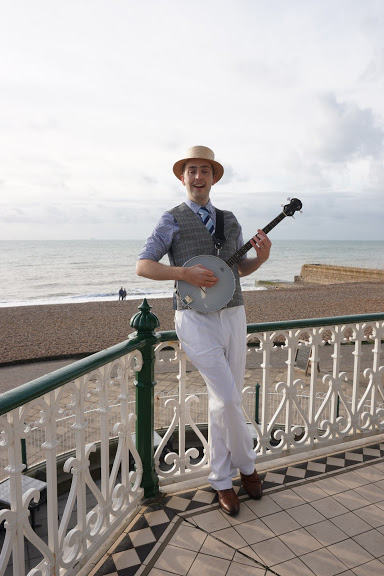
{"points": [[229, 502], [252, 485]]}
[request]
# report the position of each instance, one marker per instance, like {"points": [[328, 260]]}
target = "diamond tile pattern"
{"points": [[321, 517]]}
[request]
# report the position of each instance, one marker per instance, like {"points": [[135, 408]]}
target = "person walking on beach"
{"points": [[214, 342]]}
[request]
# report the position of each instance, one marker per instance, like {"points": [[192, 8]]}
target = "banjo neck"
{"points": [[244, 249]]}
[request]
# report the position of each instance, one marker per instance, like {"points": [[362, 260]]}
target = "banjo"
{"points": [[217, 297]]}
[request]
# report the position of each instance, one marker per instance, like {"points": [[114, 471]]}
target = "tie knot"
{"points": [[203, 211]]}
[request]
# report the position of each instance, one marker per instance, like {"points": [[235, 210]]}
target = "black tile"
{"points": [[139, 524], [194, 505], [329, 468], [311, 473], [321, 460], [144, 550], [368, 457], [159, 530], [131, 571], [107, 568], [125, 544]]}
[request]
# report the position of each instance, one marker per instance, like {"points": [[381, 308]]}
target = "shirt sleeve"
{"points": [[163, 236]]}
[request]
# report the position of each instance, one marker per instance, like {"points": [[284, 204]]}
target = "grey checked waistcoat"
{"points": [[196, 240]]}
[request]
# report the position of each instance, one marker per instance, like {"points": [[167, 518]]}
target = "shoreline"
{"points": [[53, 331]]}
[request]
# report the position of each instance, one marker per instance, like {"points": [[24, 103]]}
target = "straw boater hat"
{"points": [[201, 153]]}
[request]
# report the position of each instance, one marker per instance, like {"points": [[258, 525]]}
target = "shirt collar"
{"points": [[196, 207]]}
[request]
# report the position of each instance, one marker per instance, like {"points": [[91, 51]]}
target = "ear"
{"points": [[214, 180], [182, 179]]}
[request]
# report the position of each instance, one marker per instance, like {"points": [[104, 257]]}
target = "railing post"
{"points": [[145, 324]]}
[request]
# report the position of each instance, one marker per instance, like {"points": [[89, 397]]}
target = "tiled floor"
{"points": [[323, 517]]}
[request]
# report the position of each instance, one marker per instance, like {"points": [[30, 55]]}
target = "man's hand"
{"points": [[262, 245], [200, 276]]}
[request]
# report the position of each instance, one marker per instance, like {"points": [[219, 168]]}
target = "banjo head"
{"points": [[208, 299]]}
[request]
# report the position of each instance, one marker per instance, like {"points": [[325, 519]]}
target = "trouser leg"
{"points": [[216, 345]]}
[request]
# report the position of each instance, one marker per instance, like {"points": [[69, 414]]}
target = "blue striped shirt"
{"points": [[167, 232]]}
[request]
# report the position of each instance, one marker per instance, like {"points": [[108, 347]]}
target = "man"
{"points": [[214, 342]]}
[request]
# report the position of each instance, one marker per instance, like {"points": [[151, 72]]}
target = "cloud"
{"points": [[343, 131]]}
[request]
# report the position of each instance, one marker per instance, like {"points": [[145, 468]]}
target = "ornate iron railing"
{"points": [[106, 381]]}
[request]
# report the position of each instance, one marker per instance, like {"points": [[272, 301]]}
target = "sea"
{"points": [[69, 271]]}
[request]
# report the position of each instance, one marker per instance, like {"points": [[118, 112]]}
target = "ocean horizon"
{"points": [[39, 272]]}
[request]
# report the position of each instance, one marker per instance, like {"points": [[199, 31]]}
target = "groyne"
{"points": [[329, 274]]}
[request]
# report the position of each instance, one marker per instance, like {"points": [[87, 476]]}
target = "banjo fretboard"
{"points": [[244, 249]]}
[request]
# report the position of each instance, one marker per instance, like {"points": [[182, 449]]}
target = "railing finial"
{"points": [[144, 321]]}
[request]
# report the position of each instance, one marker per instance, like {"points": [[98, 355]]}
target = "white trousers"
{"points": [[216, 345]]}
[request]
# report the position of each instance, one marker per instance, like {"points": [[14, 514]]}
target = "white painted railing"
{"points": [[336, 408], [74, 535]]}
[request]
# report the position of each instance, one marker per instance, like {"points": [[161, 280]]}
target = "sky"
{"points": [[99, 98]]}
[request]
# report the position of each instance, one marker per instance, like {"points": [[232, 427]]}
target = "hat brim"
{"points": [[218, 168]]}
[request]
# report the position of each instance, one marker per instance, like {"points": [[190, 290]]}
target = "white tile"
{"points": [[126, 559], [373, 541], [354, 456], [274, 478], [326, 533], [263, 507], [323, 563], [231, 537], [293, 567], [339, 462], [371, 473], [329, 507], [273, 552], [351, 524], [371, 514], [204, 565], [371, 492], [246, 556], [214, 547], [316, 467], [373, 568], [310, 492], [188, 537], [300, 541], [331, 486], [176, 560], [372, 452], [177, 503], [306, 515], [157, 517], [350, 553], [143, 536], [287, 499], [235, 569], [296, 472], [281, 522], [254, 531], [204, 496], [211, 521], [351, 500], [245, 514], [352, 480]]}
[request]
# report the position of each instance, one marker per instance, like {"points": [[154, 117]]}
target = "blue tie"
{"points": [[207, 221]]}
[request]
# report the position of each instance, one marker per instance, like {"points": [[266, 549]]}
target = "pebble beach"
{"points": [[30, 333]]}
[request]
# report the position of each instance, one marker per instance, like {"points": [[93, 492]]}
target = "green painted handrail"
{"points": [[35, 388]]}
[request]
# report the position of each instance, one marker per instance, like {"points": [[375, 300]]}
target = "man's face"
{"points": [[198, 179]]}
